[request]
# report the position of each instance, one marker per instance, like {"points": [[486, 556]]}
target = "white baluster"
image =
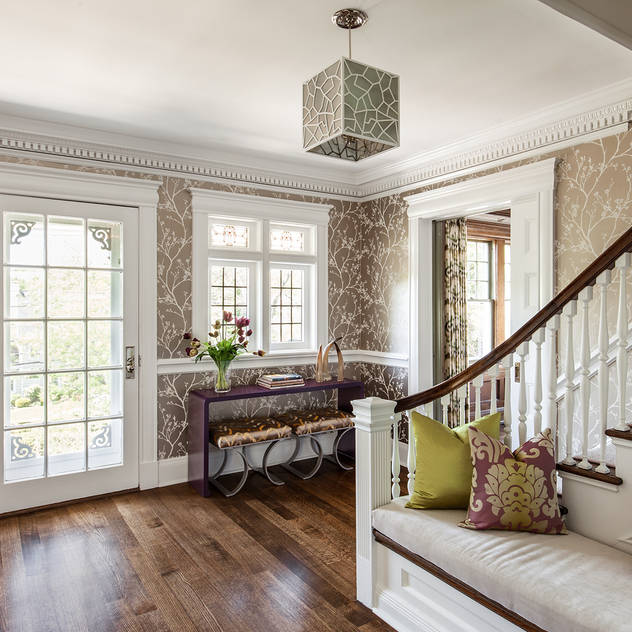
{"points": [[523, 351], [623, 263], [462, 393], [603, 281], [507, 363], [569, 311], [410, 461], [552, 327], [538, 341], [478, 382], [445, 402], [493, 376], [585, 296], [395, 457]]}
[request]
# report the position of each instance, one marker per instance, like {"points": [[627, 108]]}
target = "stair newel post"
{"points": [[410, 456], [462, 393], [569, 312], [373, 424], [553, 326], [445, 402], [622, 263], [523, 352], [493, 376], [603, 281], [478, 383], [585, 296], [395, 466], [507, 364], [538, 341]]}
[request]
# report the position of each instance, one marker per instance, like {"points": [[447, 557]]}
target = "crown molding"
{"points": [[562, 125]]}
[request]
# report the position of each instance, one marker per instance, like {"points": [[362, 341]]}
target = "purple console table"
{"points": [[200, 402]]}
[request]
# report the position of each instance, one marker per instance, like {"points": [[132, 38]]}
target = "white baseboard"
{"points": [[148, 475]]}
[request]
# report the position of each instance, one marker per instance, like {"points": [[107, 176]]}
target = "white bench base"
{"points": [[411, 599]]}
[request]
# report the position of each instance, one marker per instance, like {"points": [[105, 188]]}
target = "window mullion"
{"points": [[264, 317]]}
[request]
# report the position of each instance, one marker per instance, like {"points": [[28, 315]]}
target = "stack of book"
{"points": [[280, 380]]}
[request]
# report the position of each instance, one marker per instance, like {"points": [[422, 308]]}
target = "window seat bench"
{"points": [[566, 583]]}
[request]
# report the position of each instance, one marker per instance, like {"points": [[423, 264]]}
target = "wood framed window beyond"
{"points": [[498, 239]]}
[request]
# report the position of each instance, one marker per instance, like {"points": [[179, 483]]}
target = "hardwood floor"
{"points": [[271, 558]]}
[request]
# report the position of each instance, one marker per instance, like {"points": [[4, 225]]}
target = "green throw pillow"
{"points": [[443, 476]]}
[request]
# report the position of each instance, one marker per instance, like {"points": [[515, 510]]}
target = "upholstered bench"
{"points": [[557, 583], [311, 424], [238, 435]]}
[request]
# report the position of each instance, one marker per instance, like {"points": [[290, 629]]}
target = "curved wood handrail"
{"points": [[588, 277]]}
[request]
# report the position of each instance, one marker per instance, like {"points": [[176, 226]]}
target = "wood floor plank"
{"points": [[271, 559]]}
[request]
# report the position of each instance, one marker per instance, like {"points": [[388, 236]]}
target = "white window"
{"points": [[265, 259]]}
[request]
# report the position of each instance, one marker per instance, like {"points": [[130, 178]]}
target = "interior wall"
{"points": [[368, 265]]}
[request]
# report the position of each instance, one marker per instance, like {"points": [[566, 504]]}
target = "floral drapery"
{"points": [[455, 306]]}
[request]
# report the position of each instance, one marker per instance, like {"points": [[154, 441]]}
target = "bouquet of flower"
{"points": [[228, 339]]}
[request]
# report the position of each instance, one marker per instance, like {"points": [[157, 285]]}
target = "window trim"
{"points": [[207, 202]]}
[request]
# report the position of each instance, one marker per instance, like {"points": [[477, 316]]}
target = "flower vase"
{"points": [[222, 379]]}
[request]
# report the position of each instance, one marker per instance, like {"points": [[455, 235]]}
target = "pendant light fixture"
{"points": [[351, 110]]}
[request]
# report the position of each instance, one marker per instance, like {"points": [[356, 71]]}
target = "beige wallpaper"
{"points": [[368, 263]]}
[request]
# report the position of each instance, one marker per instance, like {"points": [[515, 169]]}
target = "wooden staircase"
{"points": [[597, 494]]}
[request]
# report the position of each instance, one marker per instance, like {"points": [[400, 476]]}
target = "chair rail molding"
{"points": [[36, 181], [528, 189]]}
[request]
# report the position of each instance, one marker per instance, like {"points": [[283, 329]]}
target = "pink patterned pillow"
{"points": [[514, 491]]}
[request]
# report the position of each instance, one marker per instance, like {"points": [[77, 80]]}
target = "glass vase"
{"points": [[222, 379]]}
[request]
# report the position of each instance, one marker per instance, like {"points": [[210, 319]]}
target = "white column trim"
{"points": [[471, 197]]}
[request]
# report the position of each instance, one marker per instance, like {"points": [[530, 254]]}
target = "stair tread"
{"points": [[620, 434], [611, 478]]}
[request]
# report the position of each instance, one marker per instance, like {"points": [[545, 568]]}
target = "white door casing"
{"points": [[528, 192], [141, 196]]}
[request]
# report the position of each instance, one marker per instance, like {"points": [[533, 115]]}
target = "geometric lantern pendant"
{"points": [[351, 111]]}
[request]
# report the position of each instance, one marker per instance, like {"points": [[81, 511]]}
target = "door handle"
{"points": [[130, 362]]}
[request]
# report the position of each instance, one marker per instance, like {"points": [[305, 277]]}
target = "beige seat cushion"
{"points": [[562, 584], [234, 432], [305, 422]]}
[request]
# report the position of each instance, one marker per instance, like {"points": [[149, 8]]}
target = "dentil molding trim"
{"points": [[576, 120]]}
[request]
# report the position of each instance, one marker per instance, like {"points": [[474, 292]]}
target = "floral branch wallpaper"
{"points": [[368, 265]]}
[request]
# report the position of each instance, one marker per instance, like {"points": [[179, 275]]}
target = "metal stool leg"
{"points": [[213, 480], [318, 451], [263, 470], [335, 456]]}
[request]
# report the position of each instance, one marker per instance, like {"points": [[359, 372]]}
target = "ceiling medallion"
{"points": [[351, 110]]}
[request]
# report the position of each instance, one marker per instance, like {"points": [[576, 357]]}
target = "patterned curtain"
{"points": [[455, 306]]}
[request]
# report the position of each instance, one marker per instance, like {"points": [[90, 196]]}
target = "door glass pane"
{"points": [[63, 297], [66, 396], [65, 243], [66, 345], [24, 347], [24, 239], [24, 292], [66, 449], [105, 393], [25, 396], [105, 246], [23, 454], [105, 343], [65, 293], [105, 445], [105, 292]]}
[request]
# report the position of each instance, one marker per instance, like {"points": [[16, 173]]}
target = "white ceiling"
{"points": [[216, 73]]}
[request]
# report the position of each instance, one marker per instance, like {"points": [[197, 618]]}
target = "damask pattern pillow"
{"points": [[515, 491]]}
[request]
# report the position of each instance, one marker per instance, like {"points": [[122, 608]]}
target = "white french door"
{"points": [[69, 391]]}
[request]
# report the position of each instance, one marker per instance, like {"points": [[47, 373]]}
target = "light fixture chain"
{"points": [[349, 31]]}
